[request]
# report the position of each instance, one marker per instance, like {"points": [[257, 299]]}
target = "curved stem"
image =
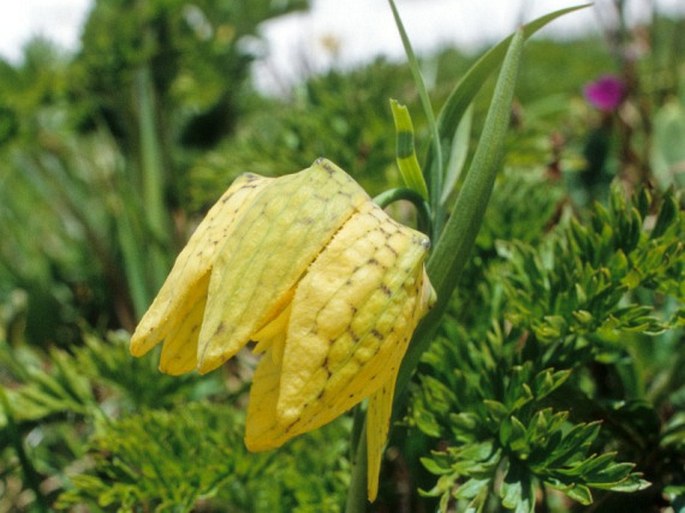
{"points": [[423, 215], [435, 171]]}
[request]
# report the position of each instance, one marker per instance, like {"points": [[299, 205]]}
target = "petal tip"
{"points": [[139, 346]]}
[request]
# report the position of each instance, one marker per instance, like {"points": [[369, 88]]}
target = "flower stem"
{"points": [[356, 496], [435, 171], [423, 215]]}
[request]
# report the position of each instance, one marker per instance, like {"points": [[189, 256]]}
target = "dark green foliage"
{"points": [[529, 393], [196, 53], [62, 387], [160, 460]]}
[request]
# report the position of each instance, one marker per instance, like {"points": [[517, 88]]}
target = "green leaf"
{"points": [[580, 493], [434, 173], [456, 242], [434, 467], [517, 490], [496, 409], [454, 246], [667, 215], [518, 441], [547, 381], [471, 488], [471, 83], [458, 151]]}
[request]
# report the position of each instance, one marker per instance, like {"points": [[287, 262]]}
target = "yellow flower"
{"points": [[328, 286]]}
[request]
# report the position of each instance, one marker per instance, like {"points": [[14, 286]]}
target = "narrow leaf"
{"points": [[455, 244], [458, 152], [436, 170], [472, 82]]}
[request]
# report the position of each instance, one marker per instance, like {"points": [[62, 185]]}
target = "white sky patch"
{"points": [[59, 21], [332, 35], [337, 33]]}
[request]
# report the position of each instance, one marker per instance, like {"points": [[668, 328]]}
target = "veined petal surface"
{"points": [[176, 313], [269, 251], [351, 319]]}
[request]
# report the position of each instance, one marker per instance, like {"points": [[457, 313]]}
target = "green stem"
{"points": [[423, 215], [356, 496]]}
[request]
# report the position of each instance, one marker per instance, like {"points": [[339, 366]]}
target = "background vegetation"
{"points": [[556, 381]]}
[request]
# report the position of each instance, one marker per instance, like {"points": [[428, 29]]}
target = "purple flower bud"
{"points": [[606, 93]]}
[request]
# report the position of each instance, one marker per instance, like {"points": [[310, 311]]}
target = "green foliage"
{"points": [[86, 381], [145, 443], [72, 238], [176, 460], [196, 54], [59, 397], [561, 358], [577, 282], [343, 113], [496, 388], [531, 198], [160, 460]]}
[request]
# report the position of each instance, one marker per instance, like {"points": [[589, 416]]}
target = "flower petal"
{"points": [[377, 426], [379, 410], [262, 430], [179, 352], [287, 226], [261, 411], [352, 315], [350, 321], [176, 312]]}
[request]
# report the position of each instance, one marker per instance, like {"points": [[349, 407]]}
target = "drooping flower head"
{"points": [[325, 283], [606, 93]]}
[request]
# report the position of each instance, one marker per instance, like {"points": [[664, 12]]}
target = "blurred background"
{"points": [[122, 121], [317, 38]]}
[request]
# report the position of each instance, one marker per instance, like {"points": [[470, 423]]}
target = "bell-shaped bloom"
{"points": [[327, 286]]}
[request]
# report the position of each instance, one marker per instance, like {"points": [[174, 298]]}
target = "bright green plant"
{"points": [[160, 460], [521, 404]]}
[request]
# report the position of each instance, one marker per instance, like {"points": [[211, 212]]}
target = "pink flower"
{"points": [[606, 93]]}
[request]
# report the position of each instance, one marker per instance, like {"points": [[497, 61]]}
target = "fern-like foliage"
{"points": [[194, 456], [546, 396], [117, 435], [57, 397], [577, 283]]}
